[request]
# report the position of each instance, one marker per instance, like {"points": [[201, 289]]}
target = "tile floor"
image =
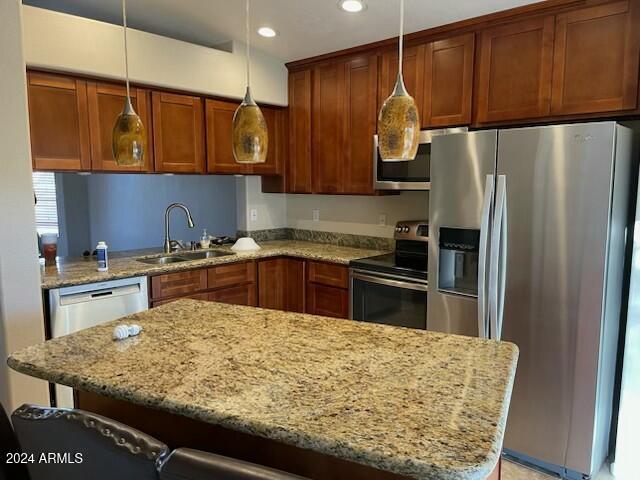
{"points": [[514, 471]]}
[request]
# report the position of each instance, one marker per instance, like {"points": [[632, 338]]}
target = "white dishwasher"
{"points": [[83, 306]]}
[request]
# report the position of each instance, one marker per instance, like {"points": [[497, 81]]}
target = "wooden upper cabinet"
{"points": [[596, 59], [448, 81], [178, 133], [514, 70], [327, 120], [299, 161], [412, 72], [219, 143], [106, 102], [359, 124], [275, 126], [59, 123]]}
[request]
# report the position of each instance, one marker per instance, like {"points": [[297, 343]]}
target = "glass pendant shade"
{"points": [[129, 139], [398, 126], [250, 139]]}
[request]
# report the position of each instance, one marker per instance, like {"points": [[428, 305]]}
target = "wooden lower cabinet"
{"points": [[327, 301], [240, 295], [281, 284]]}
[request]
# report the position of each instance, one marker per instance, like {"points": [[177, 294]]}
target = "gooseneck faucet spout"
{"points": [[172, 245]]}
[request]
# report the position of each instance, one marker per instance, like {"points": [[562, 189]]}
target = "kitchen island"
{"points": [[394, 402]]}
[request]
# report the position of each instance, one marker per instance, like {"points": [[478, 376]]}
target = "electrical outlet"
{"points": [[316, 215], [382, 219], [253, 214]]}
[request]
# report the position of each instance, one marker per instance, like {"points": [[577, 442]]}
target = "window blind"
{"points": [[44, 186]]}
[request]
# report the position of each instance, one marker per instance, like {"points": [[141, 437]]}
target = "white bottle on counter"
{"points": [[103, 258]]}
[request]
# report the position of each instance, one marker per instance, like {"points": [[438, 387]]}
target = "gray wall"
{"points": [[127, 210]]}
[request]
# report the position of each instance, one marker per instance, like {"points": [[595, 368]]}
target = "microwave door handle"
{"points": [[496, 293], [482, 261]]}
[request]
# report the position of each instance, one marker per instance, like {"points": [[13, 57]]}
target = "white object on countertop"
{"points": [[245, 244], [205, 240], [103, 258], [124, 331]]}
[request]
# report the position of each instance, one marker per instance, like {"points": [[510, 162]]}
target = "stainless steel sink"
{"points": [[202, 255], [183, 257], [162, 260]]}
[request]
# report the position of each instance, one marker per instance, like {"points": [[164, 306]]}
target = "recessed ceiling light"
{"points": [[352, 6], [267, 32]]}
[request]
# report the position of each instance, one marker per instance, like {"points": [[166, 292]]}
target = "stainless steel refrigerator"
{"points": [[527, 234]]}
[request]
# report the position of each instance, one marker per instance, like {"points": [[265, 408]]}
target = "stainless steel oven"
{"points": [[412, 175], [392, 288], [388, 299]]}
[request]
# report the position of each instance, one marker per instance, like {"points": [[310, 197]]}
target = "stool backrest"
{"points": [[77, 445], [188, 464], [9, 446]]}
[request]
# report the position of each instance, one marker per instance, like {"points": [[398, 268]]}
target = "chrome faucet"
{"points": [[173, 245]]}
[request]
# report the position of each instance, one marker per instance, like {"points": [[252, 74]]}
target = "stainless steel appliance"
{"points": [[625, 465], [413, 175], [83, 306], [392, 288], [545, 208]]}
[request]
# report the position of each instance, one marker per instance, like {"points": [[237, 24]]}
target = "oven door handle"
{"points": [[389, 282]]}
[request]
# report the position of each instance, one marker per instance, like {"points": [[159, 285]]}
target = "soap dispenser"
{"points": [[205, 240]]}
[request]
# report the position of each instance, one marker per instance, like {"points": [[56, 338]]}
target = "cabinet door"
{"points": [[275, 123], [196, 296], [299, 161], [105, 102], [178, 284], [448, 82], [359, 124], [219, 143], [178, 133], [328, 301], [412, 71], [271, 283], [59, 122], [514, 73], [328, 115], [596, 59], [241, 295], [294, 297], [231, 274]]}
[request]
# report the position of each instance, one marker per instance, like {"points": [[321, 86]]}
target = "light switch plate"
{"points": [[253, 214], [382, 219], [316, 215]]}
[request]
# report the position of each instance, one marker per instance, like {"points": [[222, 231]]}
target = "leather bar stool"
{"points": [[9, 445], [188, 464], [76, 445]]}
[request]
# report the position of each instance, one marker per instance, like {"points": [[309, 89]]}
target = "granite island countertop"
{"points": [[416, 403], [78, 270]]}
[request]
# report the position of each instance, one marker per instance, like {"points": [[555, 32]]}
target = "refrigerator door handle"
{"points": [[483, 324], [498, 260]]}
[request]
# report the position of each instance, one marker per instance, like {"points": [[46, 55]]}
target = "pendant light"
{"points": [[250, 139], [399, 121], [128, 140]]}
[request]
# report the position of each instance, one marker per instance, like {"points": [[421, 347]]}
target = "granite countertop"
{"points": [[416, 403], [77, 270]]}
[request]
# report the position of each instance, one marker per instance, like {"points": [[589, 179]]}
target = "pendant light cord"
{"points": [[400, 48], [248, 44], [126, 51]]}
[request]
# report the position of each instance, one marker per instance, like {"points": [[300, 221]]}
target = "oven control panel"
{"points": [[417, 230]]}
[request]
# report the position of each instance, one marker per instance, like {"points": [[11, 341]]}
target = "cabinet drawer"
{"points": [[197, 296], [241, 295], [328, 274], [178, 284], [232, 274], [328, 301]]}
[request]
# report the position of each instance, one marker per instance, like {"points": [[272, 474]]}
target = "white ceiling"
{"points": [[306, 27]]}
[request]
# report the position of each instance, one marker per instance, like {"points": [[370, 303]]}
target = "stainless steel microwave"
{"points": [[411, 175]]}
